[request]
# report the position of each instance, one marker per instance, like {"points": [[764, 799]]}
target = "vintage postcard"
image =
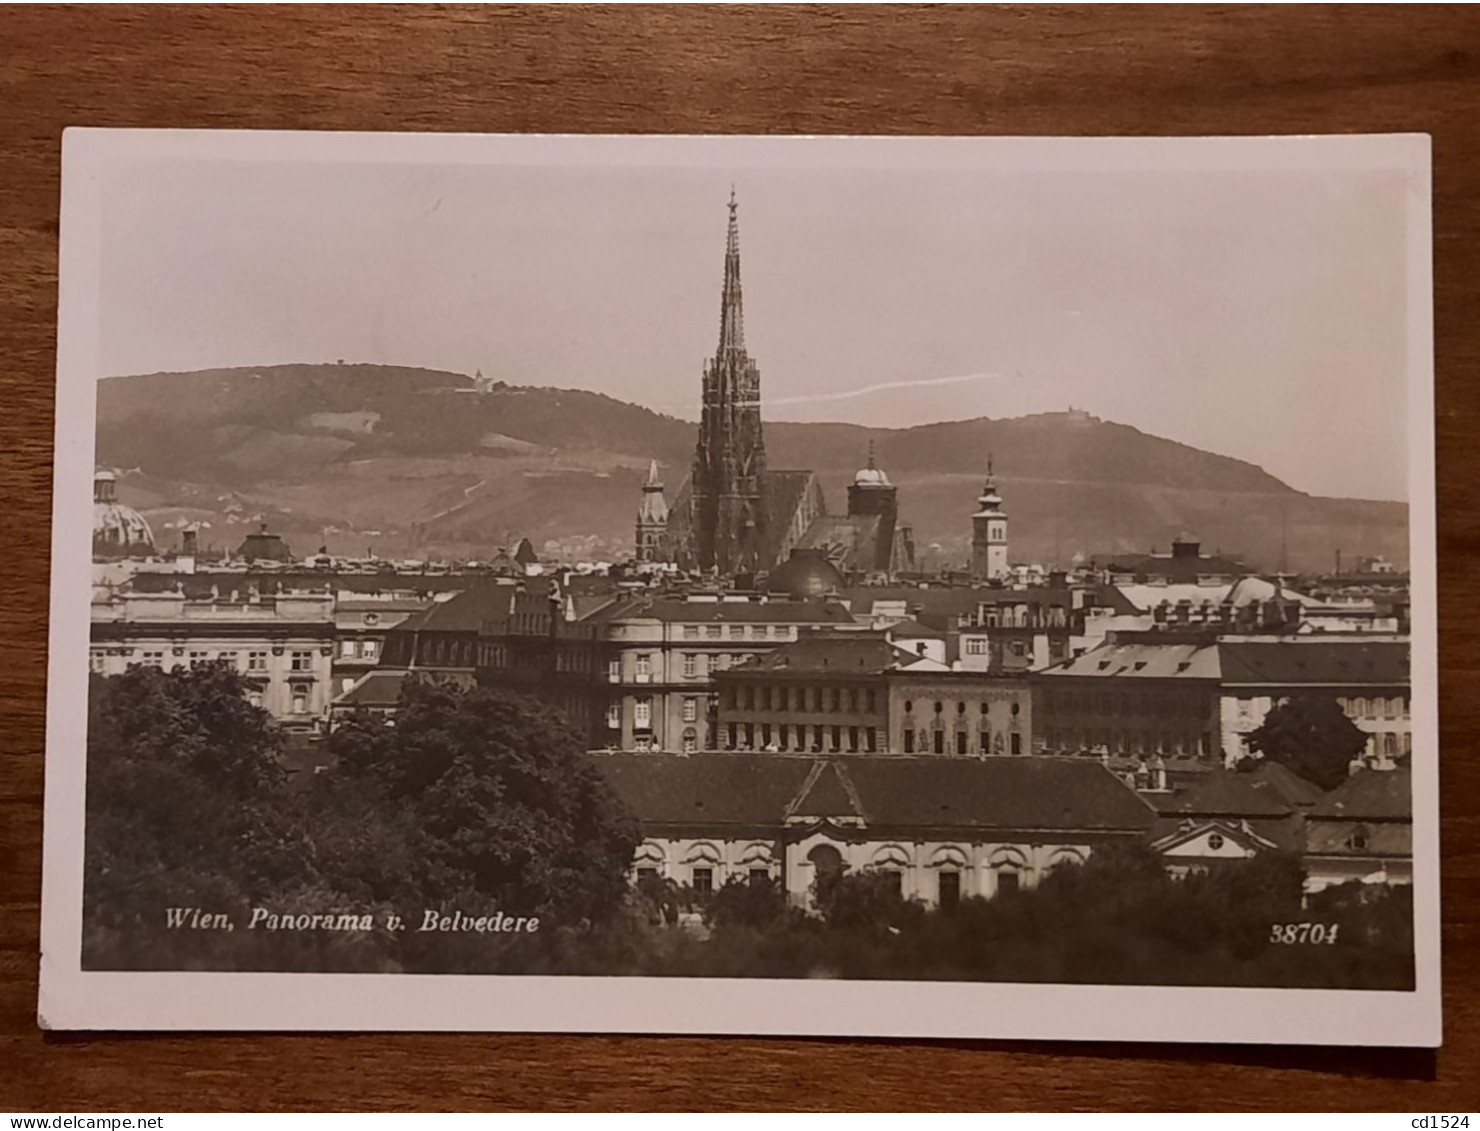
{"points": [[897, 587]]}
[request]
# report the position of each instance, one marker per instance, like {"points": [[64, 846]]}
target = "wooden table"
{"points": [[1007, 70]]}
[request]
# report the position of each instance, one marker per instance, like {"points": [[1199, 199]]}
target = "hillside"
{"points": [[416, 462]]}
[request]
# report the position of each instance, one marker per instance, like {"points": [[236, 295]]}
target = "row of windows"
{"points": [[1018, 616], [255, 661], [961, 742], [749, 697], [1130, 741], [804, 738], [1126, 703], [948, 881], [738, 631], [940, 707]]}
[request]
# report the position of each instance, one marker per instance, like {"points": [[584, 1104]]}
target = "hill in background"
{"points": [[418, 463]]}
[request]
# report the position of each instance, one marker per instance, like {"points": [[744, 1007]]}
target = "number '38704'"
{"points": [[1293, 934]]}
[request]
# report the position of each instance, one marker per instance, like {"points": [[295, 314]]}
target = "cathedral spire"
{"points": [[732, 309]]}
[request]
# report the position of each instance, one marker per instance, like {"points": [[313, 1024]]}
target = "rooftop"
{"points": [[978, 794]]}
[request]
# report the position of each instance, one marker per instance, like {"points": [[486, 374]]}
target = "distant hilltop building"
{"points": [[737, 517], [119, 531]]}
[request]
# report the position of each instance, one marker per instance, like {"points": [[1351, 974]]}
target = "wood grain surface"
{"points": [[653, 69]]}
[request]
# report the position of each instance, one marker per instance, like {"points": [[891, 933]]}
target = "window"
{"points": [[642, 712], [97, 660], [1017, 743], [614, 715], [714, 631], [976, 646], [199, 657], [870, 703], [703, 880], [690, 665], [614, 671], [1215, 842], [909, 741], [690, 709], [300, 703], [154, 659], [1358, 841], [300, 662], [347, 649], [254, 697], [960, 742], [346, 683], [690, 742], [760, 631], [759, 876], [256, 661], [368, 648], [1007, 883], [950, 890], [647, 875], [894, 881], [644, 667], [228, 658], [940, 742], [1016, 708], [691, 632], [737, 632]]}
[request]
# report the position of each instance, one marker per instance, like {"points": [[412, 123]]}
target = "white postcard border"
{"points": [[72, 998]]}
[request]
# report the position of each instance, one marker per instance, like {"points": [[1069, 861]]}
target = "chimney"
{"points": [[188, 542]]}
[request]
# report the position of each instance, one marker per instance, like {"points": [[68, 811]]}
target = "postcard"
{"points": [[925, 587]]}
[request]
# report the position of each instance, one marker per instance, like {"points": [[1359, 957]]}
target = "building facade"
{"points": [[941, 829], [283, 644]]}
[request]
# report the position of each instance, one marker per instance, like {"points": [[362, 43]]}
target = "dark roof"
{"points": [[891, 791], [1285, 662], [850, 539], [1286, 782], [848, 653], [1370, 795], [1016, 793], [782, 493], [375, 689], [705, 789], [468, 611], [1227, 793]]}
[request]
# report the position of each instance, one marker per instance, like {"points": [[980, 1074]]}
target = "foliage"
{"points": [[1312, 736]]}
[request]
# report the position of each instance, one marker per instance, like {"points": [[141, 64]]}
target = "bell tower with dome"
{"points": [[989, 533]]}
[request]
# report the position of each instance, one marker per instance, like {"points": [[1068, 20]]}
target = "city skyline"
{"points": [[1295, 321]]}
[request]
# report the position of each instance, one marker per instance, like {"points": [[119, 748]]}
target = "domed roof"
{"points": [[119, 531], [807, 573], [872, 475]]}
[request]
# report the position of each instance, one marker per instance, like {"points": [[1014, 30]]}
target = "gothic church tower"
{"points": [[652, 518], [730, 460]]}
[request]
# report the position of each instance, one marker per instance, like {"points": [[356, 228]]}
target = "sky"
{"points": [[1259, 314]]}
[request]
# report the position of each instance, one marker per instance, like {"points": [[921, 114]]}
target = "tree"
{"points": [[1310, 735], [506, 804], [186, 806]]}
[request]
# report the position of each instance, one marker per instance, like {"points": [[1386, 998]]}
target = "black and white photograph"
{"points": [[939, 587]]}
